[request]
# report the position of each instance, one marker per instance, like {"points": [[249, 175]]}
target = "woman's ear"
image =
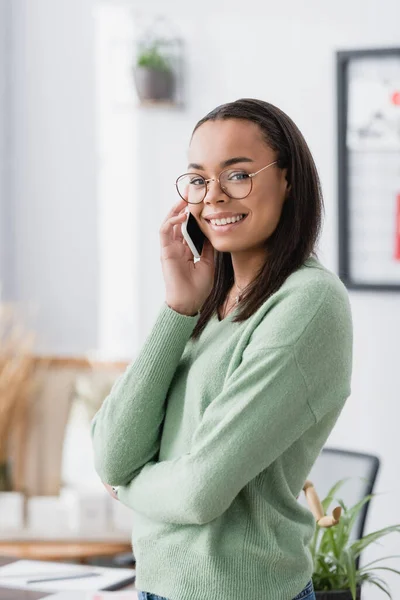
{"points": [[288, 186]]}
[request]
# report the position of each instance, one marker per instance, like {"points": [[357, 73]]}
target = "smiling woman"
{"points": [[282, 181], [213, 429]]}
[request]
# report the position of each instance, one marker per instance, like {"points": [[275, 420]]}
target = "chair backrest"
{"points": [[333, 465]]}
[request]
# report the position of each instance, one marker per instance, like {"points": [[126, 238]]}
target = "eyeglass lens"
{"points": [[193, 187]]}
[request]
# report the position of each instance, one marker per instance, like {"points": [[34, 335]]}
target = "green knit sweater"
{"points": [[212, 441]]}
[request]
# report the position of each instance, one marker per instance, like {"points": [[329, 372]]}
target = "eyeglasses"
{"points": [[235, 183]]}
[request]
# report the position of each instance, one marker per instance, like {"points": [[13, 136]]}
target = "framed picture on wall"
{"points": [[368, 112]]}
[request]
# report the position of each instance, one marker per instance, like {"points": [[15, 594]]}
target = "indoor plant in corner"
{"points": [[337, 574], [154, 76]]}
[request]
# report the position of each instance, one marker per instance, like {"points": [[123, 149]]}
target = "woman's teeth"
{"points": [[227, 221]]}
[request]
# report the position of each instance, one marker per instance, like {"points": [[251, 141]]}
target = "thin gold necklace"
{"points": [[239, 296]]}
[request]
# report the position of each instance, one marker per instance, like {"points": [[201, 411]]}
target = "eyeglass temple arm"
{"points": [[259, 171]]}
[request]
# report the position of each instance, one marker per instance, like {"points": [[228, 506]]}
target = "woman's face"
{"points": [[212, 145]]}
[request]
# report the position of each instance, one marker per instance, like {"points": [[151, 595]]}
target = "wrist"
{"points": [[182, 310]]}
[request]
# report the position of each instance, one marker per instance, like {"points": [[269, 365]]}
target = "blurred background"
{"points": [[90, 147]]}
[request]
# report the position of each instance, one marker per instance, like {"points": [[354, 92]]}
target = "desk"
{"points": [[13, 594], [53, 550]]}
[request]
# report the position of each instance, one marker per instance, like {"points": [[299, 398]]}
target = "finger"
{"points": [[175, 210], [178, 232], [167, 229]]}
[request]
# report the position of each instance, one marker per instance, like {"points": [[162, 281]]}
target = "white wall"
{"points": [[70, 225], [3, 104], [117, 145], [55, 232]]}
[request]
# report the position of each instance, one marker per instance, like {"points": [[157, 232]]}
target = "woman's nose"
{"points": [[214, 193]]}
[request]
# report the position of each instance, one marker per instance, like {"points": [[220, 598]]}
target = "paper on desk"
{"points": [[93, 596], [20, 572]]}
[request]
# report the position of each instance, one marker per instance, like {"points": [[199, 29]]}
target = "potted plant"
{"points": [[153, 74], [337, 574]]}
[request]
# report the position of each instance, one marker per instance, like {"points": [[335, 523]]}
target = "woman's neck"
{"points": [[246, 266]]}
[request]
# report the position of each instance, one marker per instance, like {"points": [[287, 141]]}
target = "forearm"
{"points": [[262, 410], [126, 430]]}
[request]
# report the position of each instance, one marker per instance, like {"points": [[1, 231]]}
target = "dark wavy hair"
{"points": [[298, 230]]}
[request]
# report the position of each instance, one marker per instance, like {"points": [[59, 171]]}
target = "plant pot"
{"points": [[5, 477], [152, 84], [337, 595]]}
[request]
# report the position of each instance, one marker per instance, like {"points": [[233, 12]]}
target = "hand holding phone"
{"points": [[188, 284]]}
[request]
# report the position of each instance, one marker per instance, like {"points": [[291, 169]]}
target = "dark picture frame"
{"points": [[368, 125]]}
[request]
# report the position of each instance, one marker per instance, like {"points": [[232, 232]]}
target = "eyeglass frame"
{"points": [[206, 181]]}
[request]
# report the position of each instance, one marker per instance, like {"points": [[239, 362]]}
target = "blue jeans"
{"points": [[306, 594]]}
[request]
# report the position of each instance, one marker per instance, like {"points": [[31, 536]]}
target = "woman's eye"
{"points": [[238, 176], [197, 181]]}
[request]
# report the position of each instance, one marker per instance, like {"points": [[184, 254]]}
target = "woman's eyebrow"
{"points": [[224, 164]]}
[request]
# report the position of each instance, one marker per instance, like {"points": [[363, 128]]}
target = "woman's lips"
{"points": [[227, 227]]}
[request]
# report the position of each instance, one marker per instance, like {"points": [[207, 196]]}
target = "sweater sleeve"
{"points": [[126, 430], [261, 411]]}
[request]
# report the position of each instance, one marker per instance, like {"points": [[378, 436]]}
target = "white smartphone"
{"points": [[193, 235]]}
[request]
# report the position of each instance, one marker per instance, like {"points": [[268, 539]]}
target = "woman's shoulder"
{"points": [[312, 297], [311, 281]]}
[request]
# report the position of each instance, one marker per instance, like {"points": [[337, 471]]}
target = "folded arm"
{"points": [[126, 430], [262, 410]]}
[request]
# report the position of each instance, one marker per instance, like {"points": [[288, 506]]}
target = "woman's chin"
{"points": [[229, 245]]}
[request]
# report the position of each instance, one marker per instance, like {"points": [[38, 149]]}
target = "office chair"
{"points": [[333, 465]]}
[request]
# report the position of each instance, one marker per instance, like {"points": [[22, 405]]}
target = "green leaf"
{"points": [[153, 59], [381, 585], [359, 545], [332, 541], [334, 557], [379, 560], [354, 511], [342, 532], [351, 570], [331, 494], [387, 569]]}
